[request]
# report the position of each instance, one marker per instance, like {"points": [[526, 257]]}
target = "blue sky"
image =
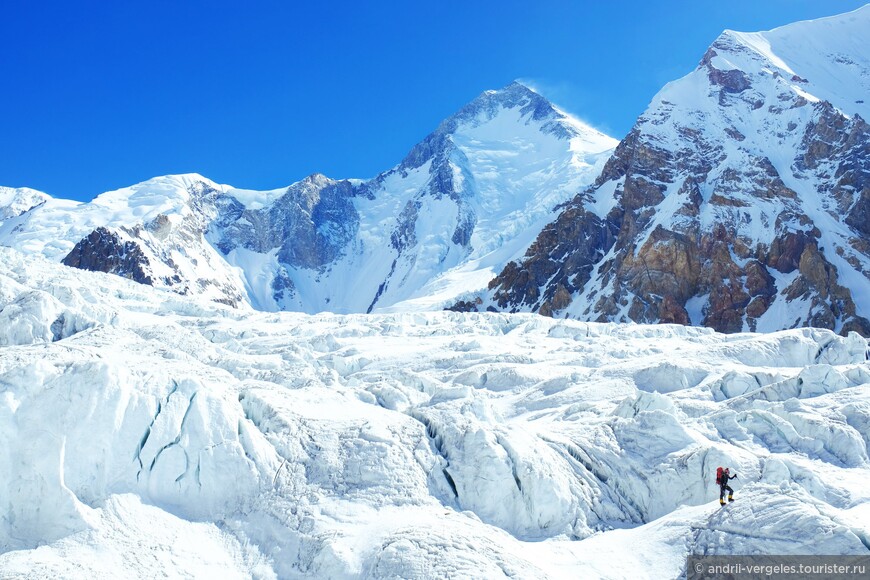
{"points": [[99, 95]]}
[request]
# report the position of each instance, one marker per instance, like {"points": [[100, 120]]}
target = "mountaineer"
{"points": [[723, 476]]}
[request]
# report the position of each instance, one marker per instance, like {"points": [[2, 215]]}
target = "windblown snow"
{"points": [[143, 434]]}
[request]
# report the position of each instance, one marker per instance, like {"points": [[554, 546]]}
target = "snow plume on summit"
{"points": [[498, 167], [739, 201], [435, 228], [147, 434]]}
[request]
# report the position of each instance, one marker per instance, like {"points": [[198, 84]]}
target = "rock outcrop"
{"points": [[105, 250], [739, 201]]}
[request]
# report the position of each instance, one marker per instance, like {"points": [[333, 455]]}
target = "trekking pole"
{"points": [[277, 472]]}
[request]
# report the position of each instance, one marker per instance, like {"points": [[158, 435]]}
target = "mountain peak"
{"points": [[515, 88], [531, 106], [759, 148], [16, 201], [317, 180], [164, 194], [490, 103], [823, 59]]}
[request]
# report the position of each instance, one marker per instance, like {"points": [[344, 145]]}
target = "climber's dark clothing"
{"points": [[723, 486]]}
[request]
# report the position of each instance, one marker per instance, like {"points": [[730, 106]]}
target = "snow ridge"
{"points": [[741, 183]]}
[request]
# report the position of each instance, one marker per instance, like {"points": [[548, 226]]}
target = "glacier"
{"points": [[145, 433], [264, 384]]}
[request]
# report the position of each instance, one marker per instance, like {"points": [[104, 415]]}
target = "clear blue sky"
{"points": [[98, 95]]}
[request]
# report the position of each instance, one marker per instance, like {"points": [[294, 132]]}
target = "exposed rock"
{"points": [[564, 253], [696, 220], [404, 235], [667, 265], [756, 308], [672, 312], [466, 305], [728, 302], [735, 134], [859, 215], [311, 224], [759, 282], [560, 300], [786, 251], [283, 287], [732, 81], [103, 250], [316, 235]]}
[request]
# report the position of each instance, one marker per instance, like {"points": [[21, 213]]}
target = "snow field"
{"points": [[157, 434], [128, 539]]}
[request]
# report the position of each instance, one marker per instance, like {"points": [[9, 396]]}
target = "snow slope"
{"points": [[145, 433], [436, 227], [14, 202], [829, 53], [761, 152]]}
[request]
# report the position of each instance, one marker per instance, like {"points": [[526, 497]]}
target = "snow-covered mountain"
{"points": [[739, 201], [430, 231], [14, 202], [146, 434], [166, 421], [152, 233]]}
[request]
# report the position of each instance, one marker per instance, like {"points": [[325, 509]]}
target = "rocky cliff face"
{"points": [[739, 201], [105, 250], [309, 225]]}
